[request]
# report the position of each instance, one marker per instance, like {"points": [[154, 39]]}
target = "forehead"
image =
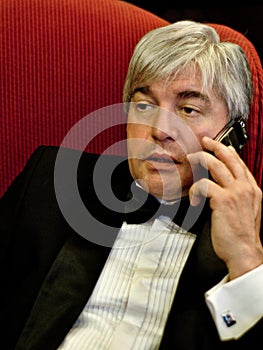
{"points": [[183, 84], [189, 78]]}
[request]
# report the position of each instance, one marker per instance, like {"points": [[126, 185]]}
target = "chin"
{"points": [[170, 193], [166, 186]]}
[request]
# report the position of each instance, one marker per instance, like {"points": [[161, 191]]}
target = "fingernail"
{"points": [[232, 148]]}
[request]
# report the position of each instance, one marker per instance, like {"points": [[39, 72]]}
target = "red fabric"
{"points": [[61, 60]]}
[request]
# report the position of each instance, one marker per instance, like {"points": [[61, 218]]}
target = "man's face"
{"points": [[165, 123]]}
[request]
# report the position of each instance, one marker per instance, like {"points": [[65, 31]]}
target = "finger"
{"points": [[231, 158], [203, 188], [247, 171], [227, 155], [218, 170]]}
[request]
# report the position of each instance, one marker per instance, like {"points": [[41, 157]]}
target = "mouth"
{"points": [[162, 159]]}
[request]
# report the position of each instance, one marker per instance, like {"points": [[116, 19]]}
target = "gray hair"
{"points": [[163, 52]]}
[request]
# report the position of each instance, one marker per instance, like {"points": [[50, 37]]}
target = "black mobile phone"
{"points": [[233, 134]]}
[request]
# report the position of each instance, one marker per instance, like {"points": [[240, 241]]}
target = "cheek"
{"points": [[195, 144], [137, 131], [211, 128], [134, 168], [137, 138]]}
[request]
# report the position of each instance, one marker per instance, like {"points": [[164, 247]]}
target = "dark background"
{"points": [[247, 19]]}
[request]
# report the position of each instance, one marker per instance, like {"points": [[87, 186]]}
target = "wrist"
{"points": [[244, 263]]}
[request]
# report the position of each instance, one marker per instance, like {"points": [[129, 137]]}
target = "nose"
{"points": [[163, 126]]}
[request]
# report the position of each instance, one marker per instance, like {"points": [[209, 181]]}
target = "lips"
{"points": [[162, 158]]}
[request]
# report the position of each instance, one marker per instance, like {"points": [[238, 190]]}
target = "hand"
{"points": [[235, 200]]}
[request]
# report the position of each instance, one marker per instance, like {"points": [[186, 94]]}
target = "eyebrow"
{"points": [[146, 90], [193, 94]]}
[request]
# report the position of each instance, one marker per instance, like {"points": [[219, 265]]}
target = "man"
{"points": [[186, 267]]}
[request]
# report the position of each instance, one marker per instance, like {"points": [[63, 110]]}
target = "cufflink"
{"points": [[229, 318]]}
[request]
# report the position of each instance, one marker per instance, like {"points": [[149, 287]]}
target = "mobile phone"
{"points": [[234, 134]]}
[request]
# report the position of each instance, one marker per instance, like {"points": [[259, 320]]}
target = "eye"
{"points": [[143, 107], [189, 110]]}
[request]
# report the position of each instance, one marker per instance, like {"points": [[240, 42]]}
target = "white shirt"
{"points": [[242, 297], [132, 298]]}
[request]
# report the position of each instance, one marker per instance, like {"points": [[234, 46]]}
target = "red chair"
{"points": [[61, 60]]}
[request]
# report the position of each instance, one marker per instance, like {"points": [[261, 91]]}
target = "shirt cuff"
{"points": [[237, 305]]}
